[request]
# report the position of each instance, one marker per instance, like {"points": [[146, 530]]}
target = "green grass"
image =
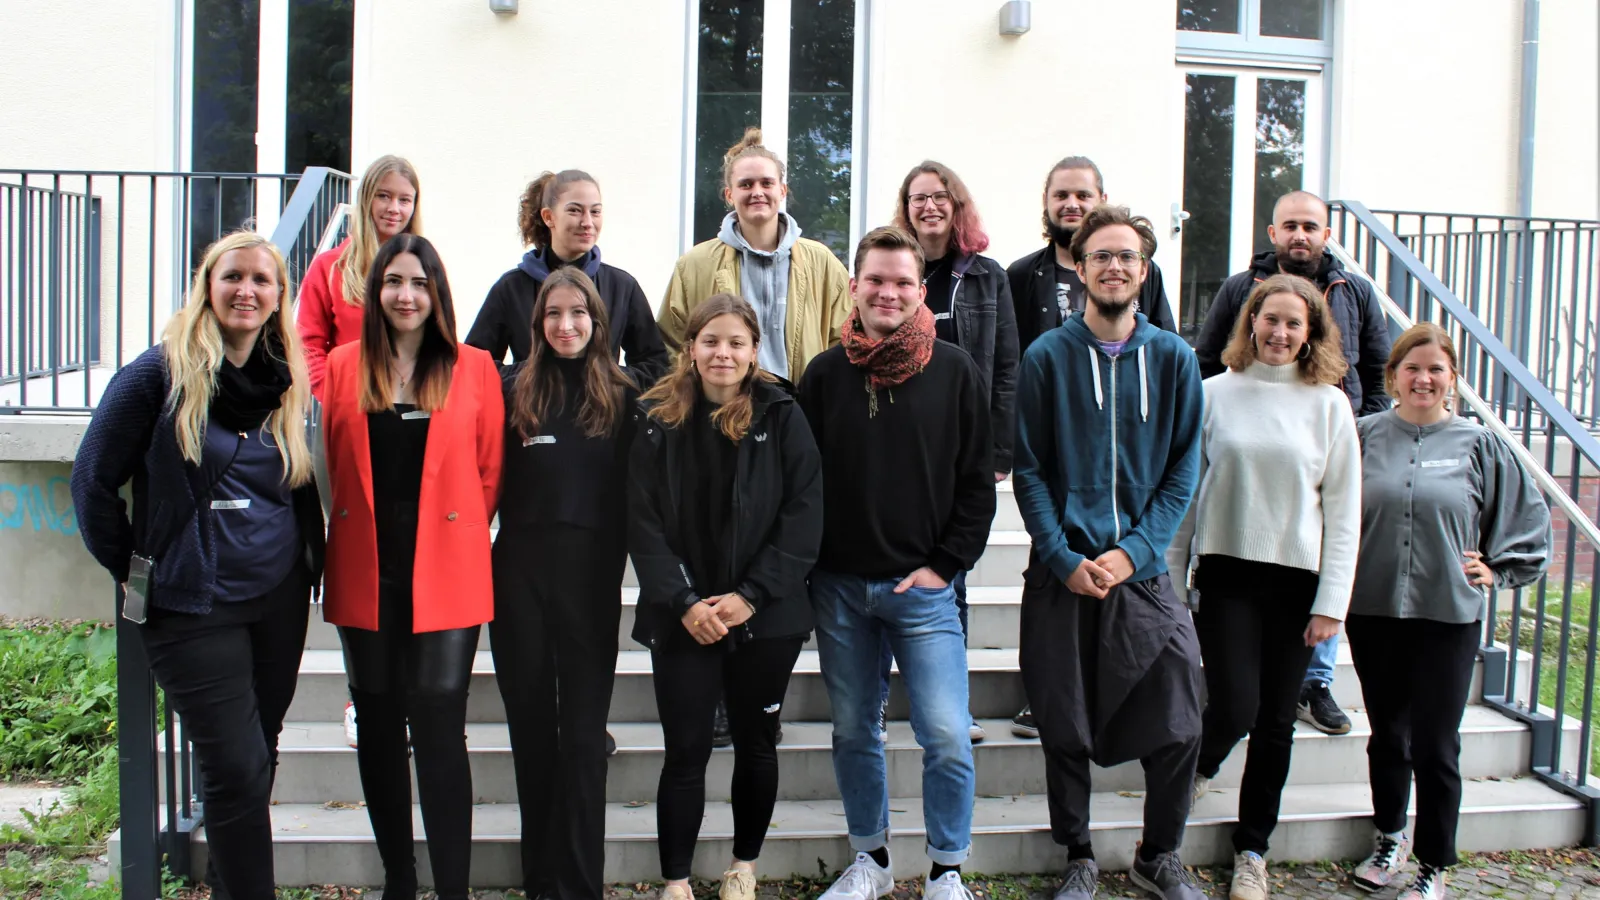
{"points": [[58, 699]]}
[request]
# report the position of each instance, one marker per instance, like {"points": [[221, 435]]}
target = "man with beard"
{"points": [[1299, 235], [1107, 456], [1044, 284]]}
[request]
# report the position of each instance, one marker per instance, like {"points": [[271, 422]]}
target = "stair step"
{"points": [[315, 765], [995, 686], [314, 844], [994, 619]]}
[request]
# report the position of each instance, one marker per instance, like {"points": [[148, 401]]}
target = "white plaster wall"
{"points": [[86, 85], [1425, 114], [1566, 159], [481, 104], [1091, 79]]}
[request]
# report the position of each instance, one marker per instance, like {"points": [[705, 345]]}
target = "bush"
{"points": [[58, 699]]}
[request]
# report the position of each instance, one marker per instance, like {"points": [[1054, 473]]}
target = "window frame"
{"points": [[1249, 45]]}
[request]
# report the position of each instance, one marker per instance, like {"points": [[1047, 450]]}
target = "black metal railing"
{"points": [[1534, 282], [92, 264], [1548, 630]]}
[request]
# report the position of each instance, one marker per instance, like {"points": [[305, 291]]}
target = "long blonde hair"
{"points": [[358, 254], [193, 346]]}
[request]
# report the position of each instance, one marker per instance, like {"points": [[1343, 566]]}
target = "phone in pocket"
{"points": [[136, 591]]}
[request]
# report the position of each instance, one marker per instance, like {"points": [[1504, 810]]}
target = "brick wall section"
{"points": [[1588, 496]]}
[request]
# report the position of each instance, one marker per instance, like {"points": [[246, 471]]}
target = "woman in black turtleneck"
{"points": [[558, 565]]}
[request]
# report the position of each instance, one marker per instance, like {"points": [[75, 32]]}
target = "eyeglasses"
{"points": [[940, 197], [1102, 258]]}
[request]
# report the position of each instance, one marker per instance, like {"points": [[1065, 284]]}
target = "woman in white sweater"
{"points": [[1276, 526]]}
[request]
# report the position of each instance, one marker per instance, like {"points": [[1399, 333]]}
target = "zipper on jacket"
{"points": [[1116, 517]]}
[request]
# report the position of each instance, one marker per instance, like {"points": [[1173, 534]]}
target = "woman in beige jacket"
{"points": [[800, 291]]}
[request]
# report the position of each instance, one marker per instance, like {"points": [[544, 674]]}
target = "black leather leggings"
{"points": [[399, 678]]}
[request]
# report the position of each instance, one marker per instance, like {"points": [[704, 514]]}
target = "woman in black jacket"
{"points": [[725, 505], [226, 537], [560, 217], [558, 561]]}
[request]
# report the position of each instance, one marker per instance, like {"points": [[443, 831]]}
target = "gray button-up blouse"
{"points": [[1428, 495]]}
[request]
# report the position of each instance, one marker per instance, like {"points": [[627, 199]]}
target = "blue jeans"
{"points": [[924, 630], [1323, 657], [886, 655]]}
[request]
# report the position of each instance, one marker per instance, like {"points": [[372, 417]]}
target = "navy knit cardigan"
{"points": [[133, 435]]}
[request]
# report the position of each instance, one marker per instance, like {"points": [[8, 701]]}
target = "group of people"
{"points": [[786, 448]]}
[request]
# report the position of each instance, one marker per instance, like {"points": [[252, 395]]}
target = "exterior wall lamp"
{"points": [[503, 7], [1016, 17]]}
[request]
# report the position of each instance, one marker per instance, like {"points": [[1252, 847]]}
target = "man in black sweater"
{"points": [[908, 489], [1045, 285]]}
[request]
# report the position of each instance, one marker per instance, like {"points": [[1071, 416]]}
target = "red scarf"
{"points": [[895, 358]]}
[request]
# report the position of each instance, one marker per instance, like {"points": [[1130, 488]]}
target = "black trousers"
{"points": [[399, 678], [1251, 623], [1415, 675], [1168, 780], [230, 674], [557, 607], [688, 680]]}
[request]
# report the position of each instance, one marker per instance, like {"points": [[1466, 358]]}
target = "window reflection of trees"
{"points": [[728, 99], [321, 37], [1280, 148], [1209, 15], [821, 106], [1207, 193], [227, 40]]}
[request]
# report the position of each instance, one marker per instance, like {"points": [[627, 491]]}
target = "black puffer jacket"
{"points": [[777, 527], [1363, 331]]}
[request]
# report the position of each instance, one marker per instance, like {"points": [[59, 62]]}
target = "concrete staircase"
{"points": [[323, 837]]}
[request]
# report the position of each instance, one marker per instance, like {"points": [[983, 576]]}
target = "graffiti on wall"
{"points": [[38, 506]]}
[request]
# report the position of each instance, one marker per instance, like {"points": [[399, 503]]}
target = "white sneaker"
{"points": [[1427, 885], [1202, 786], [350, 722], [946, 887], [1249, 877], [864, 880], [977, 734], [1390, 854]]}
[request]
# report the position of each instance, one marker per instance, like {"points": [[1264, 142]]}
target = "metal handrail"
{"points": [[1486, 414]]}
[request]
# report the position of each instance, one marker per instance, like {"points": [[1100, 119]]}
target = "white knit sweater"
{"points": [[1280, 478]]}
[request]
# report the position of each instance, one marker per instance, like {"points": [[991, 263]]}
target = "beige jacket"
{"points": [[818, 300]]}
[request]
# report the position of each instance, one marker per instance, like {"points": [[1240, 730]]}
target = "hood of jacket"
{"points": [[729, 234], [1264, 265], [536, 263]]}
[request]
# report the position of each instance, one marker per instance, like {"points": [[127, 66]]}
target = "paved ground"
{"points": [[17, 797], [1539, 875]]}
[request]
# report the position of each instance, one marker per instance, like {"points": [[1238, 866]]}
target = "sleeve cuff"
{"points": [[945, 566], [753, 594]]}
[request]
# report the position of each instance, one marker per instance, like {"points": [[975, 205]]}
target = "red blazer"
{"points": [[452, 584], [324, 320]]}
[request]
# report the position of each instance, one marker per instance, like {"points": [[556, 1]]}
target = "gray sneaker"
{"points": [[946, 887], [1079, 880], [864, 880], [1166, 878]]}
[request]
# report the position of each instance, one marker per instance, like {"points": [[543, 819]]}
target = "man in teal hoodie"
{"points": [[1107, 456]]}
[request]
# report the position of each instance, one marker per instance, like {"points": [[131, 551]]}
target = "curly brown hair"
{"points": [[1323, 363]]}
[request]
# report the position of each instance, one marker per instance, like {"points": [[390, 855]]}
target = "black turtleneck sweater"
{"points": [[561, 476]]}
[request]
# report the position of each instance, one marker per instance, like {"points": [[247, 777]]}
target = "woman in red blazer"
{"points": [[332, 293], [414, 426]]}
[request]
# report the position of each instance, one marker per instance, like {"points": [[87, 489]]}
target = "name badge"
{"points": [[940, 317], [230, 504], [539, 439], [416, 414], [1440, 463]]}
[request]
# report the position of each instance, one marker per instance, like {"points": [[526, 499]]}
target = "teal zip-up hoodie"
{"points": [[1107, 450]]}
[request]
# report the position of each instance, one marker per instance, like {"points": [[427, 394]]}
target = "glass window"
{"points": [[1292, 19], [1208, 148], [321, 37], [821, 101], [1280, 148], [227, 48], [728, 99], [1209, 15]]}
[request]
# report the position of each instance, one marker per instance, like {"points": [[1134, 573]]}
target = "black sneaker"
{"points": [[1165, 878], [1318, 710], [1023, 725], [720, 735], [611, 745]]}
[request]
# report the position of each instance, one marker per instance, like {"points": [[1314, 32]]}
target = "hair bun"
{"points": [[752, 138]]}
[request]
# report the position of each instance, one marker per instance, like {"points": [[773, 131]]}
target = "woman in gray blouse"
{"points": [[1447, 511]]}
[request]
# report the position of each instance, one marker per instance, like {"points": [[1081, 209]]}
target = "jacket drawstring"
{"points": [[1094, 366], [1144, 388]]}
